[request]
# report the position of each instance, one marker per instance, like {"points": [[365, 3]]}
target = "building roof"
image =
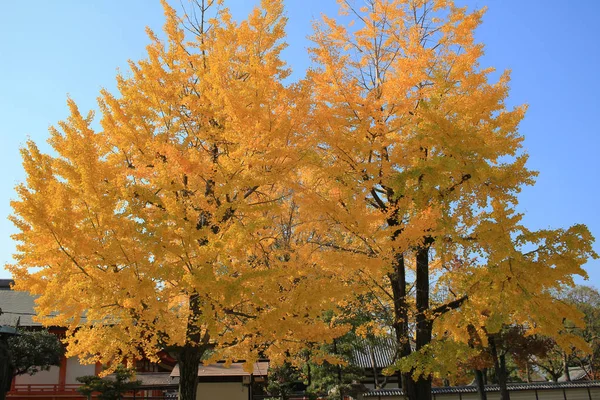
{"points": [[5, 284], [219, 369], [488, 388], [151, 378], [576, 374], [382, 349], [16, 306]]}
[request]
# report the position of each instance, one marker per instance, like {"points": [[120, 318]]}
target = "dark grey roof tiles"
{"points": [[383, 350], [489, 388], [5, 284], [17, 305], [151, 378]]}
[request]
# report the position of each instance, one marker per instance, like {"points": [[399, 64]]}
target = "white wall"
{"points": [[555, 394], [75, 369], [222, 391], [41, 378]]}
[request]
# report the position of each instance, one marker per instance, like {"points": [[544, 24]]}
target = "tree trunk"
{"points": [[566, 366], [500, 368], [480, 384], [339, 371], [424, 325], [191, 354], [398, 283], [189, 359]]}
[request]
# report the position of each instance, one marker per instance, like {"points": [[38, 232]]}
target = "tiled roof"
{"points": [[219, 369], [489, 388], [575, 373], [383, 350], [16, 305], [151, 378], [5, 284]]}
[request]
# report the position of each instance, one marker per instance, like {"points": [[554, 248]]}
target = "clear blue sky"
{"points": [[49, 49]]}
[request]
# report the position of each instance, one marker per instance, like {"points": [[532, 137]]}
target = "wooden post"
{"points": [[62, 374], [97, 368]]}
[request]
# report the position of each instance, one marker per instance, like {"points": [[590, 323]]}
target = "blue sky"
{"points": [[70, 47]]}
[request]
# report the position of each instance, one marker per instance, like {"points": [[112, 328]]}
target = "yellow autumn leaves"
{"points": [[218, 205]]}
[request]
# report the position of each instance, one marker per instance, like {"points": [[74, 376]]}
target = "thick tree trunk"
{"points": [[189, 359], [479, 380], [500, 368], [190, 355], [398, 283], [424, 325]]}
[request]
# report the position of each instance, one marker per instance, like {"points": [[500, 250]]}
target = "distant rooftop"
{"points": [[5, 284], [16, 306], [576, 374], [219, 369], [380, 351]]}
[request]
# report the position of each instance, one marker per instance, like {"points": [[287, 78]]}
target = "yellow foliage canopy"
{"points": [[217, 206], [172, 225]]}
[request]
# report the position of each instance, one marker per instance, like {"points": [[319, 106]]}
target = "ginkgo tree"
{"points": [[416, 175], [165, 228], [217, 207]]}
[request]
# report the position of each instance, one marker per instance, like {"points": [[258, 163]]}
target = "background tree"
{"points": [[163, 226], [35, 351], [522, 350], [506, 355], [332, 372], [552, 365], [556, 363], [109, 388], [283, 381], [587, 300], [31, 352]]}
